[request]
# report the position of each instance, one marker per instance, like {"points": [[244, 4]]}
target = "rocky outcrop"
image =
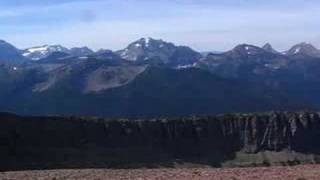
{"points": [[70, 142]]}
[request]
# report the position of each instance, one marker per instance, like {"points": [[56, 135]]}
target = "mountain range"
{"points": [[152, 77]]}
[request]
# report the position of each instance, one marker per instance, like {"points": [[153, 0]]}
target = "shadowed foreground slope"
{"points": [[226, 140]]}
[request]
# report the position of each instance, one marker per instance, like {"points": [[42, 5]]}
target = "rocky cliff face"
{"points": [[69, 142]]}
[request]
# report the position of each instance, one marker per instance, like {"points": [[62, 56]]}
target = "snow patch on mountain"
{"points": [[40, 52], [187, 66], [147, 42], [296, 51]]}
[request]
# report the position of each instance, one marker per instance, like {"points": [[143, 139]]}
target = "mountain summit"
{"points": [[40, 52], [148, 49], [304, 49], [9, 53], [246, 49], [269, 48], [80, 51]]}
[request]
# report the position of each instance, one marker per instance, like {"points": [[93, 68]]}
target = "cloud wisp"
{"points": [[204, 25]]}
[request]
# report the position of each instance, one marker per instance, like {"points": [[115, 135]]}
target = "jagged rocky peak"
{"points": [[304, 49], [150, 44], [268, 47], [159, 51], [141, 43]]}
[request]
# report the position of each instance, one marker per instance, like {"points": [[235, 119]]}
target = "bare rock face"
{"points": [[69, 142]]}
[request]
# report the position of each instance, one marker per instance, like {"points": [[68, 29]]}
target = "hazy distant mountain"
{"points": [[82, 51], [242, 61], [40, 52], [206, 53], [153, 77], [106, 54], [9, 53], [148, 49], [269, 48], [246, 50], [252, 63], [303, 49]]}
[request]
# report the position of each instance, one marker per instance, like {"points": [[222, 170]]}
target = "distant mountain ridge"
{"points": [[156, 78], [153, 50], [40, 52]]}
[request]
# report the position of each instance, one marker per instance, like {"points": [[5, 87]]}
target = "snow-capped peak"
{"points": [[144, 48], [144, 42], [39, 52]]}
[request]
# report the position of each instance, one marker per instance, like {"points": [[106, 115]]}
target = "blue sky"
{"points": [[201, 24]]}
